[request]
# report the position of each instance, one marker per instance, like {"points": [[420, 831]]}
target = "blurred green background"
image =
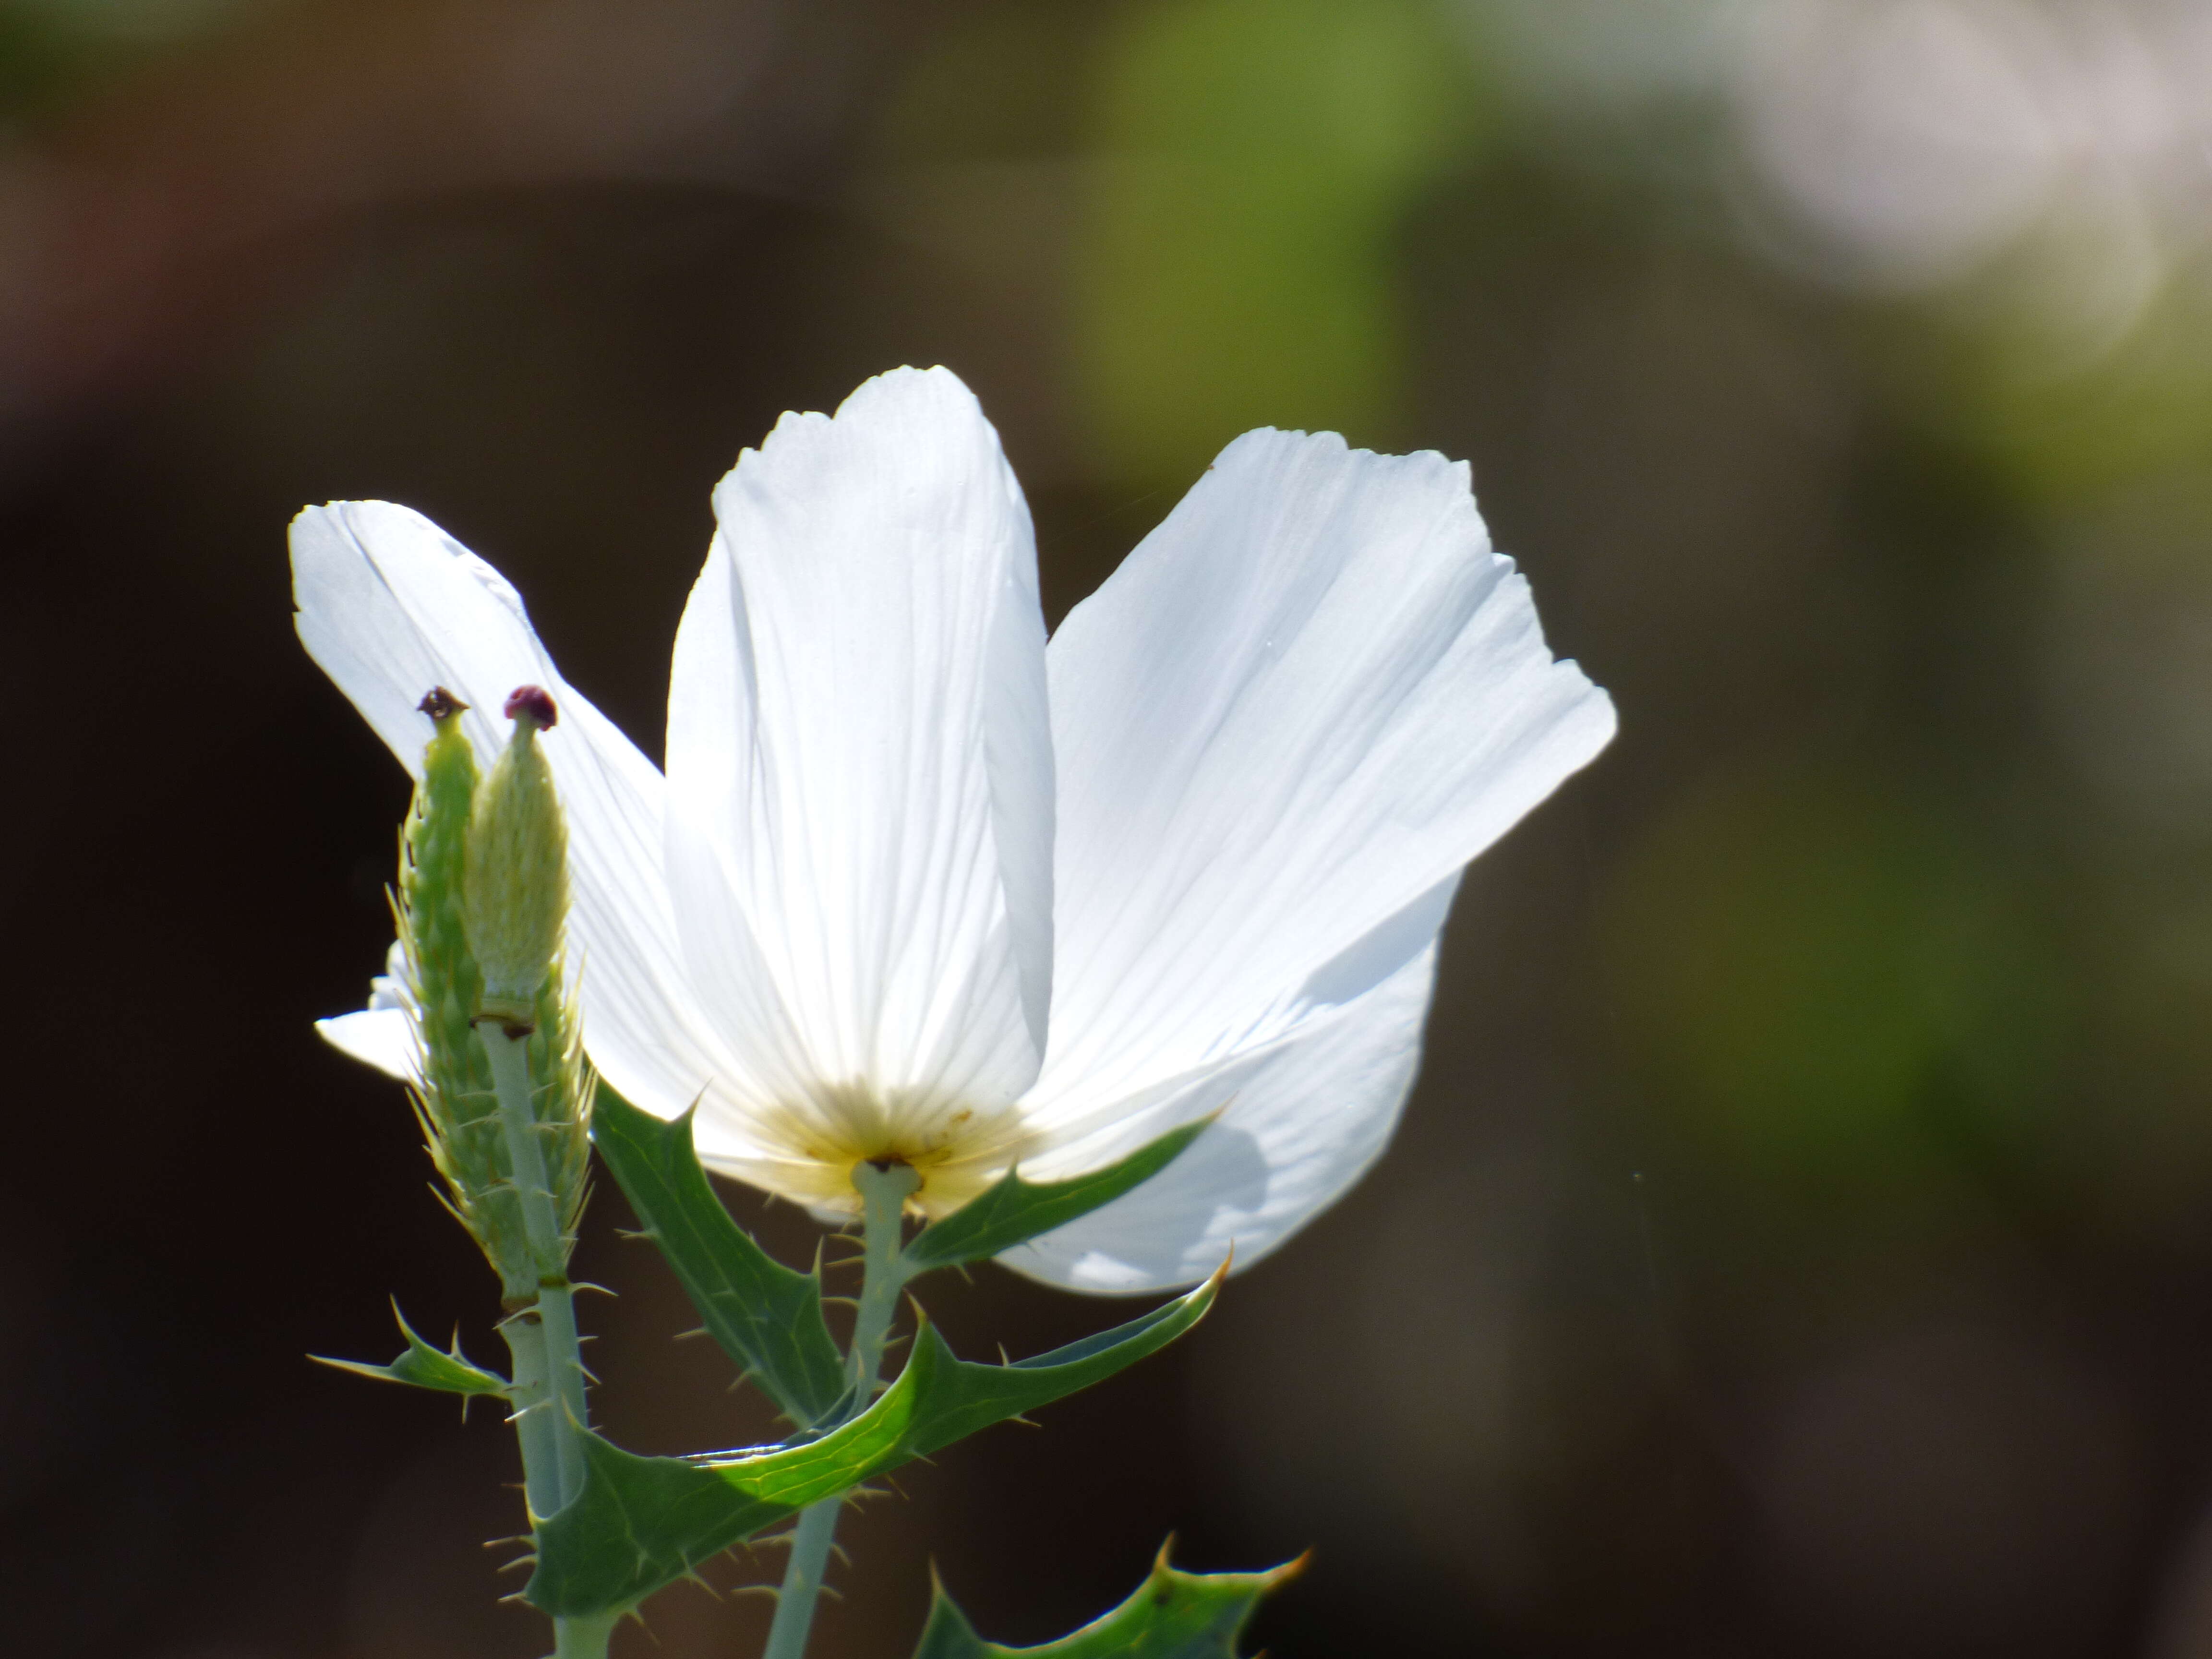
{"points": [[1801, 1240]]}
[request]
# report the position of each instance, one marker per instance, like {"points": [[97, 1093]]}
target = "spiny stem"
{"points": [[584, 1638], [533, 1416], [883, 1189], [557, 1310], [550, 1414], [802, 1579]]}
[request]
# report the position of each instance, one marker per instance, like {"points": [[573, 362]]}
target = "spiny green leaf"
{"points": [[766, 1317], [423, 1366], [1173, 1615], [640, 1522], [1015, 1210]]}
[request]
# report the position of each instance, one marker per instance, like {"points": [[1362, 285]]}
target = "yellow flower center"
{"points": [[957, 1148]]}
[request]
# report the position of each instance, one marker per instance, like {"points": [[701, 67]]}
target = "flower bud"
{"points": [[455, 1101], [516, 887], [445, 980], [441, 988]]}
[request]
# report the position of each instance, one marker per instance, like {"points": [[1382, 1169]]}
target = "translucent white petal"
{"points": [[377, 1037], [1306, 1118], [390, 605], [1312, 694], [858, 758]]}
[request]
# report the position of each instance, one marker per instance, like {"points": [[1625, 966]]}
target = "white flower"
{"points": [[917, 885]]}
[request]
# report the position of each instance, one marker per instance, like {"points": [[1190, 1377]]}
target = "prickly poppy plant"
{"points": [[1105, 956]]}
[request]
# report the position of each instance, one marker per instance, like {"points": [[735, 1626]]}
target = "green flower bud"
{"points": [[434, 848], [456, 1103], [516, 889]]}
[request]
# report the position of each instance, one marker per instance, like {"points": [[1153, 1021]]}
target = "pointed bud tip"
{"points": [[440, 704], [532, 703]]}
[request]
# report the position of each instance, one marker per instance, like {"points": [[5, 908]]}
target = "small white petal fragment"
{"points": [[381, 1037]]}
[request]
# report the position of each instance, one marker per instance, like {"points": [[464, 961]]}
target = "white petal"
{"points": [[1304, 1120], [390, 606], [859, 760], [1312, 694], [389, 989], [377, 1037]]}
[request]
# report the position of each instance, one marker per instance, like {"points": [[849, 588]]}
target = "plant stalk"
{"points": [[884, 1190], [584, 1638], [532, 1412], [549, 1367]]}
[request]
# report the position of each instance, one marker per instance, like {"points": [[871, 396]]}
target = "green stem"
{"points": [[557, 1303], [802, 1579], [883, 1190], [532, 1414], [550, 1407], [584, 1638], [564, 1355]]}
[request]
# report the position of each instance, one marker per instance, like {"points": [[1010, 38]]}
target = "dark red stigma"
{"points": [[440, 704], [533, 703]]}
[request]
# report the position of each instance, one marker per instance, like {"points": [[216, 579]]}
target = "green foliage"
{"points": [[1173, 1615], [766, 1317], [1015, 1211], [421, 1366], [642, 1522]]}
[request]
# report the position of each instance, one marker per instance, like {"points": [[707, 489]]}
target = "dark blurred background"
{"points": [[1801, 1240]]}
